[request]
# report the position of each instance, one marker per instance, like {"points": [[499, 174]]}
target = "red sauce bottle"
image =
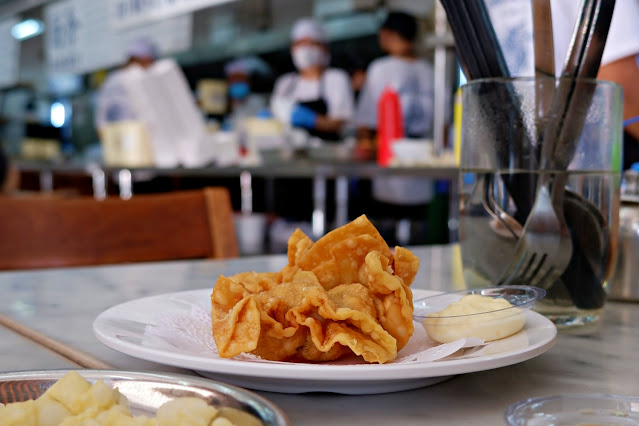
{"points": [[390, 125]]}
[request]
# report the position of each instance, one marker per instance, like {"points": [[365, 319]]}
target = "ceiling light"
{"points": [[27, 29], [58, 115]]}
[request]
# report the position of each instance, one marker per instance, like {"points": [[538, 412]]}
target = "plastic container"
{"points": [[251, 233], [491, 324], [412, 152], [574, 409], [126, 144]]}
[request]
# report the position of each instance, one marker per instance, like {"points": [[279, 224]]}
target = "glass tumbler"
{"points": [[539, 198]]}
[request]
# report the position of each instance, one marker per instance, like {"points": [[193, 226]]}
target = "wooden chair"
{"points": [[39, 232]]}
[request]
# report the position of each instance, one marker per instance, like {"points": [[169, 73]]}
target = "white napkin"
{"points": [[190, 334]]}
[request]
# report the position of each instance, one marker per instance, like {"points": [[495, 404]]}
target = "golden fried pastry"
{"points": [[344, 294], [337, 257]]}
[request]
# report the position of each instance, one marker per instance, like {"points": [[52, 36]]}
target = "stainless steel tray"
{"points": [[147, 391]]}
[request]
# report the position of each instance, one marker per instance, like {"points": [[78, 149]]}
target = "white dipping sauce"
{"points": [[477, 316]]}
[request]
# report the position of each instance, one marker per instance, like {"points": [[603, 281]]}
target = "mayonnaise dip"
{"points": [[477, 316]]}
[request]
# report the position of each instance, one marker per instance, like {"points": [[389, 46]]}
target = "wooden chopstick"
{"points": [[70, 353]]}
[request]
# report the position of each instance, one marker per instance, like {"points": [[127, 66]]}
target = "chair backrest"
{"points": [[39, 232]]}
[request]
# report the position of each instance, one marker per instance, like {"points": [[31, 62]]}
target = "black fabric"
{"points": [[319, 106], [4, 166], [403, 24], [630, 150], [293, 199]]}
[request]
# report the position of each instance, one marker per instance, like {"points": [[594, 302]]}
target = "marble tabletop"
{"points": [[63, 303], [20, 353]]}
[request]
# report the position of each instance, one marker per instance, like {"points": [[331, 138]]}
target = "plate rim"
{"points": [[323, 372], [236, 392]]}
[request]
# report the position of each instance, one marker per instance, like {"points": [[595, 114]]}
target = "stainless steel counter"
{"points": [[318, 171]]}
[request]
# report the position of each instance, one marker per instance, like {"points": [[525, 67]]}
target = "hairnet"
{"points": [[403, 24], [249, 65], [142, 49], [308, 28]]}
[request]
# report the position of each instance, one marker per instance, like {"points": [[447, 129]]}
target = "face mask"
{"points": [[309, 56], [239, 90]]}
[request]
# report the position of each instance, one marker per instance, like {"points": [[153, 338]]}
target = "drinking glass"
{"points": [[505, 124]]}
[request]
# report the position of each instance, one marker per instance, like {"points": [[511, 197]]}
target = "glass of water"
{"points": [[507, 132]]}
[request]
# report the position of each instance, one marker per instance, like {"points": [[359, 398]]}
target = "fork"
{"points": [[545, 247]]}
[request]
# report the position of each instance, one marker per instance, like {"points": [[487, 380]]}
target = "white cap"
{"points": [[142, 49], [248, 65], [308, 28]]}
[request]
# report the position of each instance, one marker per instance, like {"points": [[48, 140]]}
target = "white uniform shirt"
{"points": [[413, 81], [623, 37], [512, 20], [334, 87], [113, 103]]}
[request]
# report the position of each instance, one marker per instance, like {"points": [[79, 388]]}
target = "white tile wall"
{"points": [[9, 52]]}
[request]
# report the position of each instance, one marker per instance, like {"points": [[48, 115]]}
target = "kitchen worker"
{"points": [[402, 70], [244, 101], [113, 103], [316, 97], [412, 78]]}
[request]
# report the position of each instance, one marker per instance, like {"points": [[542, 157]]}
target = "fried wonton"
{"points": [[345, 293]]}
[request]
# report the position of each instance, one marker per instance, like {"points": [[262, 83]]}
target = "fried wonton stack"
{"points": [[345, 293]]}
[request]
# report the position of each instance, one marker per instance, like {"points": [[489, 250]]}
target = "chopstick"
{"points": [[481, 57], [543, 43], [543, 39], [70, 353], [476, 42], [468, 61], [485, 39]]}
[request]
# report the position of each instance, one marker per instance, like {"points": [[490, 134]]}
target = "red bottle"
{"points": [[390, 125]]}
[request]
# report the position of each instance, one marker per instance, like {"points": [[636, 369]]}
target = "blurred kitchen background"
{"points": [[57, 54]]}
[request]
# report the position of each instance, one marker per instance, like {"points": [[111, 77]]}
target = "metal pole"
{"points": [[46, 181], [246, 191], [125, 183], [441, 80], [453, 211], [319, 202], [341, 201], [98, 179]]}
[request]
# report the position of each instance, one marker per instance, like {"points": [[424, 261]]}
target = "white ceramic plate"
{"points": [[123, 329]]}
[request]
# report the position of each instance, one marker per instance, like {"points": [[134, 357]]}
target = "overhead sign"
{"points": [[126, 13], [62, 36], [10, 54], [79, 37]]}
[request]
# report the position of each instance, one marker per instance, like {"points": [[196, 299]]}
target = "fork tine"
{"points": [[551, 274], [515, 269], [538, 269], [530, 270]]}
